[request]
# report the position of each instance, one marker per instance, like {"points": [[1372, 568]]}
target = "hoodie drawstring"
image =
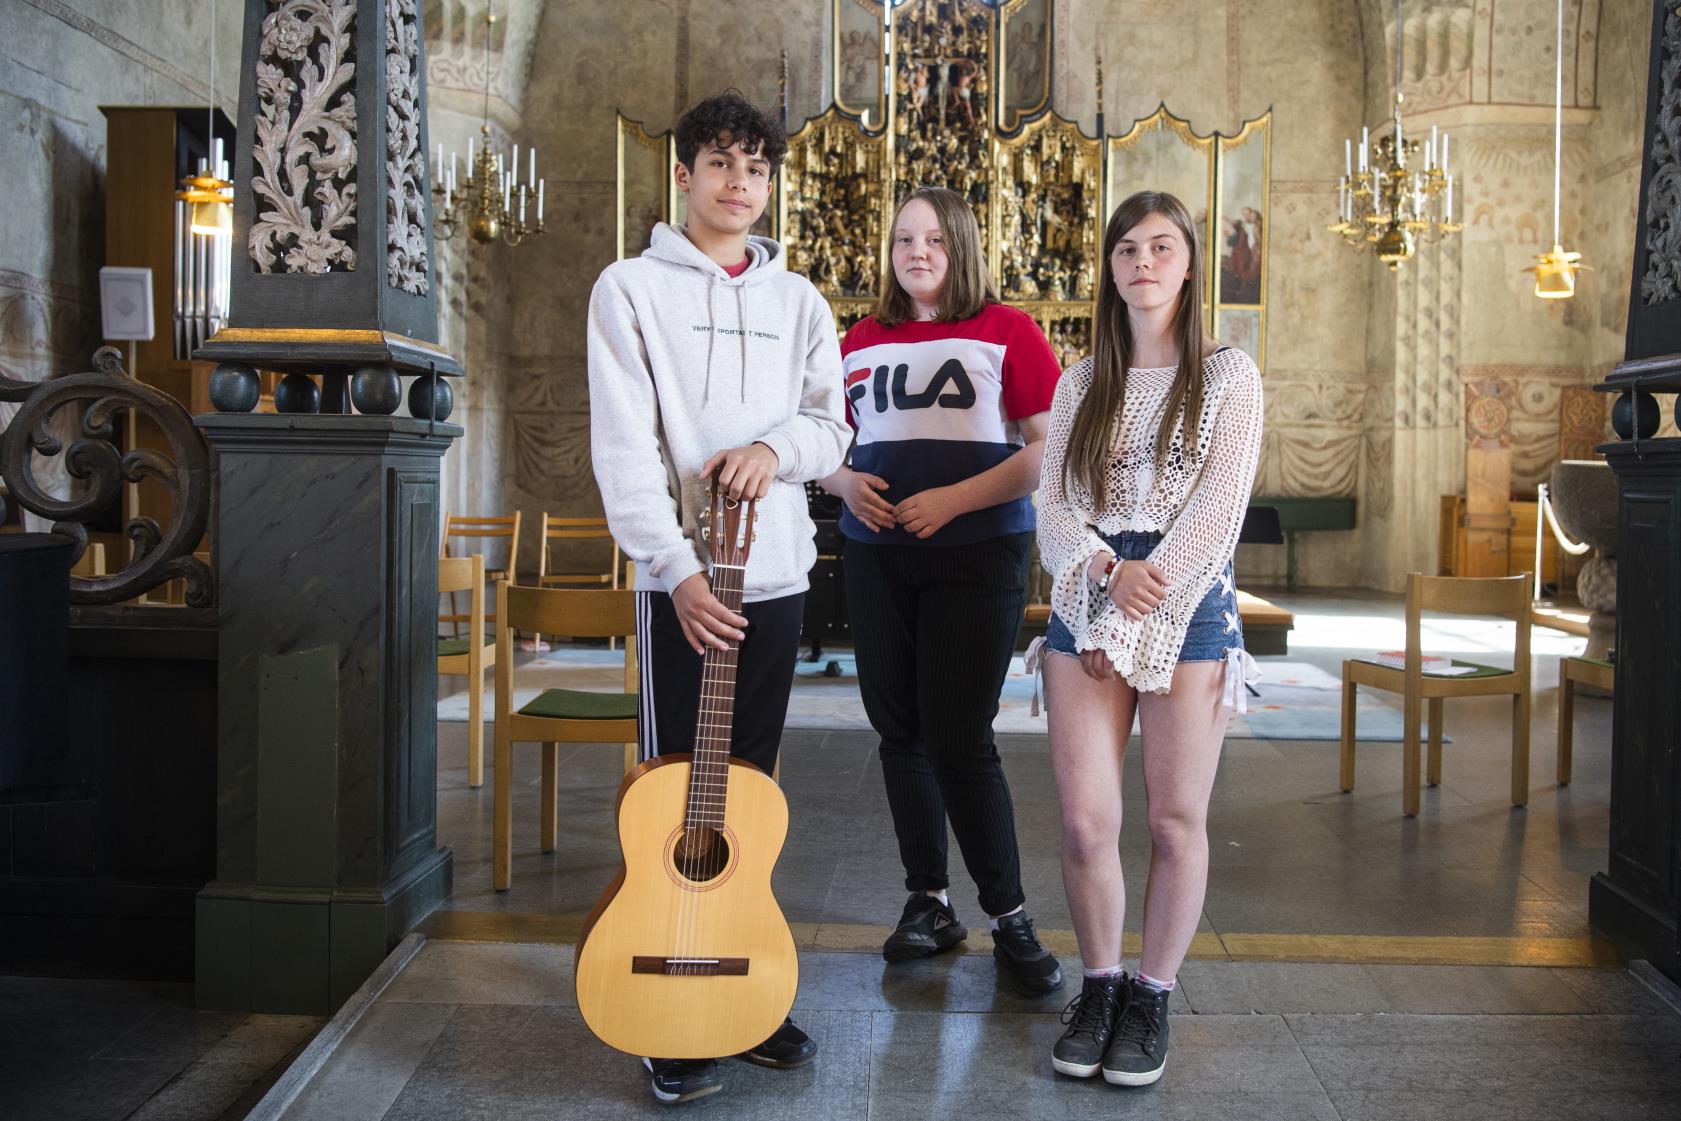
{"points": [[741, 322], [711, 336]]}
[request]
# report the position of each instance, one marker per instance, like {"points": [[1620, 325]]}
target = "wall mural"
{"points": [[405, 166], [304, 184]]}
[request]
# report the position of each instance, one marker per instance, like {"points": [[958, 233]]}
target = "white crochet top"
{"points": [[1197, 506]]}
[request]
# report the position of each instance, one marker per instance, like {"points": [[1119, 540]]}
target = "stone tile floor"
{"points": [[487, 1028], [71, 1050], [490, 1030]]}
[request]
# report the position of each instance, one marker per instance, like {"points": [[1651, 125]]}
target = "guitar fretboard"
{"points": [[709, 779]]}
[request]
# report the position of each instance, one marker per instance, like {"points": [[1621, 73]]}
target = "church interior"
{"points": [[318, 671]]}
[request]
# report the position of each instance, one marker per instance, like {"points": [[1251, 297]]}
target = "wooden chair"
{"points": [[466, 657], [1587, 671], [1508, 596], [558, 715], [575, 529], [502, 526]]}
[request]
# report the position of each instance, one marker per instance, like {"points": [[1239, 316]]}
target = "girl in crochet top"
{"points": [[1148, 464]]}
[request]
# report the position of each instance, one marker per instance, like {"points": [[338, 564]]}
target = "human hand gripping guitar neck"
{"points": [[740, 473]]}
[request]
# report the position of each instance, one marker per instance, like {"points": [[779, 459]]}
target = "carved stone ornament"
{"points": [[405, 170], [305, 139], [160, 553], [1662, 282]]}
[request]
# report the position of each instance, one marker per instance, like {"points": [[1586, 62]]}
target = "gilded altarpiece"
{"points": [[956, 93]]}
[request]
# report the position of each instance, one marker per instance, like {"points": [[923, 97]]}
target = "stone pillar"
{"points": [[326, 845], [327, 519]]}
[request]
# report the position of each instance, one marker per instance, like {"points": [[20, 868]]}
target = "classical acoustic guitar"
{"points": [[687, 955]]}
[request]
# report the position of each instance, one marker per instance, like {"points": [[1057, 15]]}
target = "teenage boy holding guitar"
{"points": [[710, 362]]}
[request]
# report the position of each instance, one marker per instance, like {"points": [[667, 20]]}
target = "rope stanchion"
{"points": [[1547, 518]]}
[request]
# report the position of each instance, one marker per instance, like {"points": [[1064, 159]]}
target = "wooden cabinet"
{"points": [[1454, 554]]}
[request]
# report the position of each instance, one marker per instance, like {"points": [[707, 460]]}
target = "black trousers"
{"points": [[668, 693], [934, 628]]}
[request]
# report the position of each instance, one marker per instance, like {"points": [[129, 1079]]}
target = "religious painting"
{"points": [[1161, 153], [1026, 61], [1240, 238], [1240, 328], [644, 174], [859, 67]]}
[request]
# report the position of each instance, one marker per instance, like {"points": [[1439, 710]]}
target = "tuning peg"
{"points": [[706, 533]]}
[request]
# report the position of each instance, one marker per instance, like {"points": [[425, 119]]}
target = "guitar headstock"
{"points": [[729, 526]]}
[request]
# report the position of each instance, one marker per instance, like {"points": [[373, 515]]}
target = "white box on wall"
{"points": [[125, 303]]}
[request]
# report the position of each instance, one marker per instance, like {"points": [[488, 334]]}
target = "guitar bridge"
{"points": [[690, 967]]}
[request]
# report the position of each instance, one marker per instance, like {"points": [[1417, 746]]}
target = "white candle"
{"points": [[522, 208], [1433, 142], [1347, 156], [469, 157], [1444, 153], [452, 170], [539, 202], [513, 166], [507, 189], [532, 178], [1365, 146]]}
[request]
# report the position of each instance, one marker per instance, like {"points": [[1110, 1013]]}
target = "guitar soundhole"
{"points": [[701, 854]]}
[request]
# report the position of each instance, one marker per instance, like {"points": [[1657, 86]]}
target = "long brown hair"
{"points": [[1092, 435], [968, 286]]}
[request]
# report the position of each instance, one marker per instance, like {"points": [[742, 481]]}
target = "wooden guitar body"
{"points": [[680, 966]]}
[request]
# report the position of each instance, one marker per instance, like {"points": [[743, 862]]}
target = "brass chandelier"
{"points": [[210, 191], [1384, 204], [491, 202], [1555, 270]]}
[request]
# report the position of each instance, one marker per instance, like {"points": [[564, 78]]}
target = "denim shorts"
{"points": [[1215, 627]]}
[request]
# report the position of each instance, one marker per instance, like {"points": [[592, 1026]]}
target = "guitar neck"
{"points": [[709, 776]]}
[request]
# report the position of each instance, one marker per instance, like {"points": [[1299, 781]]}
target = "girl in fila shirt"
{"points": [[949, 391], [1151, 454]]}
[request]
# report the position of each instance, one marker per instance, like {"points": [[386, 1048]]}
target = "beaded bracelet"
{"points": [[1108, 572]]}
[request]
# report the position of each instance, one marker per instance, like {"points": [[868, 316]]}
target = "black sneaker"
{"points": [[926, 927], [684, 1080], [1019, 953], [788, 1047], [1137, 1054], [1091, 1019]]}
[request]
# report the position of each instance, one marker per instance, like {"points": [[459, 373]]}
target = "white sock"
{"points": [[1106, 971], [940, 895], [1160, 986], [992, 920]]}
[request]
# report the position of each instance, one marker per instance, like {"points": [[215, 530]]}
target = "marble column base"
{"points": [[326, 838]]}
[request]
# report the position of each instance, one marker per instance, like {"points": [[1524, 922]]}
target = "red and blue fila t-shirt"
{"points": [[936, 403]]}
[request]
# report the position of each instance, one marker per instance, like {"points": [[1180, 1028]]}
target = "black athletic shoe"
{"points": [[684, 1080], [926, 927], [788, 1047], [1020, 954], [1091, 1019], [1137, 1054]]}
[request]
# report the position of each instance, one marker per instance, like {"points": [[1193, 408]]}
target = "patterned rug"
{"points": [[1297, 701]]}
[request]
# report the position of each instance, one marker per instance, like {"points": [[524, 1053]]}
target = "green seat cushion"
{"points": [[1600, 662], [570, 704], [450, 647]]}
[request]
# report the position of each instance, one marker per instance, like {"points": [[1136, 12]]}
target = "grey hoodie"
{"points": [[685, 361]]}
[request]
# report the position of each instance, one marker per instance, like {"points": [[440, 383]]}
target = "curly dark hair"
{"points": [[730, 120]]}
